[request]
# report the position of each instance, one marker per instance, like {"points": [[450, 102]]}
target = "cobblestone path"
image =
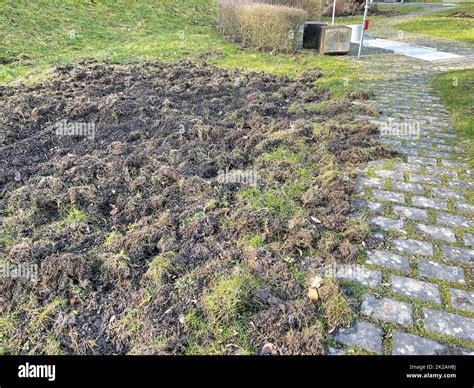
{"points": [[416, 291]]}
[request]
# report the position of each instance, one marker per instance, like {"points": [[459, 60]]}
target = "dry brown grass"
{"points": [[263, 26]]}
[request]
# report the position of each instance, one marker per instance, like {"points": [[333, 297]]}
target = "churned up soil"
{"points": [[176, 209]]}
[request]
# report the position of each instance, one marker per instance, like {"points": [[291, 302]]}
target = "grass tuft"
{"points": [[157, 268], [228, 297], [335, 305]]}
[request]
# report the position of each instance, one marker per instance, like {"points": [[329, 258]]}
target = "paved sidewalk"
{"points": [[417, 289], [410, 50]]}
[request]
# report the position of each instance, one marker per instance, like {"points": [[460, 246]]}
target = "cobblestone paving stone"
{"points": [[363, 334], [388, 260], [421, 206], [387, 310], [462, 300], [436, 270], [406, 344]]}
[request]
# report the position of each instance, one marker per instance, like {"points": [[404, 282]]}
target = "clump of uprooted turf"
{"points": [[183, 216]]}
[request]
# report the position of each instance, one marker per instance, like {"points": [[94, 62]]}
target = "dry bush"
{"points": [[270, 27], [343, 7], [259, 24], [329, 4], [227, 17], [313, 7]]}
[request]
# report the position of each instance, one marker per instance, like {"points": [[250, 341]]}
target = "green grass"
{"points": [[157, 268], [403, 10], [197, 328], [75, 215], [443, 25], [227, 299], [284, 200], [37, 35], [274, 200], [255, 241], [7, 328], [456, 89], [111, 238]]}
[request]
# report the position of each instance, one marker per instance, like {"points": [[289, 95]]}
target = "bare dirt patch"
{"points": [[141, 247]]}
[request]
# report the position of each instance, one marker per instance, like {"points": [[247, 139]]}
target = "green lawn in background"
{"points": [[442, 24]]}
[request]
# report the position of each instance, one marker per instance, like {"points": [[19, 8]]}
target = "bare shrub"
{"points": [[345, 7], [313, 7], [329, 4], [270, 27], [260, 24], [227, 17]]}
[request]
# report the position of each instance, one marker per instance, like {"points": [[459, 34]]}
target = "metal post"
{"points": [[366, 10], [333, 12]]}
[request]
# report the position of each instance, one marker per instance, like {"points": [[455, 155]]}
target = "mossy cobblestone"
{"points": [[421, 207]]}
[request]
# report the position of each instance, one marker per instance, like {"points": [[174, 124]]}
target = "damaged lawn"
{"points": [[143, 245]]}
